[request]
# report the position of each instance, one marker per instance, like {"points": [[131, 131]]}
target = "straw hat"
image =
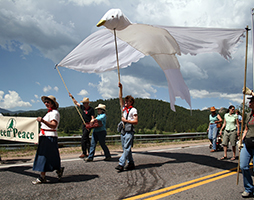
{"points": [[85, 100], [101, 106], [52, 98], [212, 109]]}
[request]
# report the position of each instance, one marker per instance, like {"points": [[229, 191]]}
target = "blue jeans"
{"points": [[101, 137], [245, 157], [127, 141], [212, 134]]}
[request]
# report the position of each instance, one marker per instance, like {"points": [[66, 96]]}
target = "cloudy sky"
{"points": [[36, 35]]}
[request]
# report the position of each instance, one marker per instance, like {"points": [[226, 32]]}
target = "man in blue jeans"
{"points": [[247, 152], [129, 118]]}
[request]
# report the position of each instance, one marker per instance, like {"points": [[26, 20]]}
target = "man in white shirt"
{"points": [[129, 118]]}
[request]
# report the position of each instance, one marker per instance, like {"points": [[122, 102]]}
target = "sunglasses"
{"points": [[46, 101]]}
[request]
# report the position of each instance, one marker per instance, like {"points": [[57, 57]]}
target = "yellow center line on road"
{"points": [[176, 188], [190, 186]]}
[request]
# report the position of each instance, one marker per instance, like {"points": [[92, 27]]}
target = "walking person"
{"points": [[47, 157], [230, 133], [247, 152], [88, 116], [214, 120], [99, 134], [129, 118]]}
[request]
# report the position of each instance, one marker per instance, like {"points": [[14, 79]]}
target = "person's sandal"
{"points": [[233, 158], [223, 158]]}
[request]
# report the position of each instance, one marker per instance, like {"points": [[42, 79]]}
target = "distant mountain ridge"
{"points": [[4, 111]]}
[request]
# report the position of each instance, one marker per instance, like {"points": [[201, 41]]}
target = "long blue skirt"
{"points": [[47, 157]]}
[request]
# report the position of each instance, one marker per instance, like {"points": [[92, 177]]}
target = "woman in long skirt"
{"points": [[47, 157]]}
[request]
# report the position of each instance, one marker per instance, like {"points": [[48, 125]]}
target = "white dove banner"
{"points": [[21, 129], [96, 53]]}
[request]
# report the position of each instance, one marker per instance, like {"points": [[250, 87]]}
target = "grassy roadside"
{"points": [[31, 151]]}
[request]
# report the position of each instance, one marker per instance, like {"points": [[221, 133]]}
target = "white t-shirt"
{"points": [[52, 115], [132, 112]]}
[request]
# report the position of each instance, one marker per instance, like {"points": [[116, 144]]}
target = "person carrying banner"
{"points": [[99, 134], [247, 151], [47, 157], [88, 116], [129, 118]]}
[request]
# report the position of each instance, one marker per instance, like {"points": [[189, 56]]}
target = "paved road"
{"points": [[185, 172]]}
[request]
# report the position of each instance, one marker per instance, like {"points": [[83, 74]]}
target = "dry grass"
{"points": [[30, 151]]}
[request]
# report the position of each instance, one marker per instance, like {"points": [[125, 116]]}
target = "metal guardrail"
{"points": [[113, 139]]}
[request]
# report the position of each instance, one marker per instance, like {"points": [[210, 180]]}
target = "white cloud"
{"points": [[209, 13], [190, 69], [108, 86], [88, 2], [12, 100], [204, 108], [37, 99], [26, 23], [26, 49], [1, 95], [238, 98], [92, 84], [83, 93], [56, 88], [47, 89]]}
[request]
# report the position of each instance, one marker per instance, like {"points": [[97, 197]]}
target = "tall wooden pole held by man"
{"points": [[244, 86]]}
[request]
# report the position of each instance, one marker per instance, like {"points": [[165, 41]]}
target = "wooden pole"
{"points": [[118, 70], [71, 98], [245, 72]]}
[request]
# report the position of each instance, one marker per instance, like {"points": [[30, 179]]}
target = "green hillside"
{"points": [[155, 116]]}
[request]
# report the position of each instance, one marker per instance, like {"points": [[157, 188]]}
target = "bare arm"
{"points": [[245, 132], [74, 100], [121, 95], [237, 123], [223, 126], [220, 119], [135, 121], [92, 118], [52, 124]]}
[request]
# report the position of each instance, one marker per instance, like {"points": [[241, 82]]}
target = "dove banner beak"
{"points": [[101, 23]]}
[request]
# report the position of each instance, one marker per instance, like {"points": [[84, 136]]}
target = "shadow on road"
{"points": [[65, 179], [185, 157]]}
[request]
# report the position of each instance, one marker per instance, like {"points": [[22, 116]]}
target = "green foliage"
{"points": [[153, 115]]}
